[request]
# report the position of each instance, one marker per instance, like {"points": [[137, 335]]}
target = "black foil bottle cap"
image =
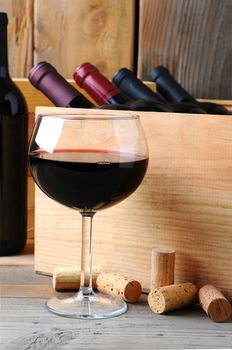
{"points": [[119, 75], [3, 19], [157, 72], [3, 44]]}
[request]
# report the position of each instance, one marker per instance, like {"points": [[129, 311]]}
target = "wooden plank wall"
{"points": [[100, 31], [193, 39], [67, 33]]}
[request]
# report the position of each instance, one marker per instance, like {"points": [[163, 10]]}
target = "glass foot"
{"points": [[87, 307]]}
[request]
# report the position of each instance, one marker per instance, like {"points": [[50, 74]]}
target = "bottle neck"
{"points": [[98, 86], [213, 108], [118, 98], [4, 72], [133, 87], [80, 102], [46, 79], [3, 51], [168, 87]]}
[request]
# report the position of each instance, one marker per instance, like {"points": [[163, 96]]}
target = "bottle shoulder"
{"points": [[12, 100]]}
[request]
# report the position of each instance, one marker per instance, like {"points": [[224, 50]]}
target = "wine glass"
{"points": [[88, 162]]}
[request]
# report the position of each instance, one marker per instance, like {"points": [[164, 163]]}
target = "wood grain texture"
{"points": [[184, 204], [20, 35], [192, 39], [99, 31], [26, 323]]}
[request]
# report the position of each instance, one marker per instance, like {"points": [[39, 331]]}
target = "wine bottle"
{"points": [[45, 78], [174, 92], [107, 95], [13, 160], [133, 87], [98, 86], [127, 81]]}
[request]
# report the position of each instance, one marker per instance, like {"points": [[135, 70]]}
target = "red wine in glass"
{"points": [[88, 179]]}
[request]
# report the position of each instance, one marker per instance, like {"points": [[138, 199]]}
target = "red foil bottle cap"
{"points": [[82, 71], [94, 83]]}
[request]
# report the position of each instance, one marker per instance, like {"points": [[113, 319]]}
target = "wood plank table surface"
{"points": [[26, 324]]}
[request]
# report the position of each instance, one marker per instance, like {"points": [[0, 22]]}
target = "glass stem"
{"points": [[86, 288]]}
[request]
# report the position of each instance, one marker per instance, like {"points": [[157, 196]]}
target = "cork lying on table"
{"points": [[214, 303], [68, 278], [111, 283], [172, 297]]}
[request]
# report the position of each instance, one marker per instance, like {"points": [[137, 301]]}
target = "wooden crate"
{"points": [[184, 203]]}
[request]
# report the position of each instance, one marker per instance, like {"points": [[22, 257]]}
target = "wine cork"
{"points": [[214, 303], [65, 278], [111, 283], [162, 267], [172, 297]]}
